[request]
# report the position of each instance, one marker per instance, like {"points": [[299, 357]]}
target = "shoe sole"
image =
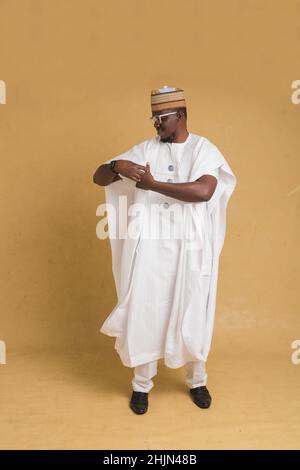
{"points": [[138, 412], [205, 407]]}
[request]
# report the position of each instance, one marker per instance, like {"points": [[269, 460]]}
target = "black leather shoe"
{"points": [[139, 402], [201, 396]]}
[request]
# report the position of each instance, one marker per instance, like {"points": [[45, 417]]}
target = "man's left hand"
{"points": [[147, 180]]}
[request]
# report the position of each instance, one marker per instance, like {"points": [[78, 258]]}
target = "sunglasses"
{"points": [[159, 117]]}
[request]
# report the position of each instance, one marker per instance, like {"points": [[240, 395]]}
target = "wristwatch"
{"points": [[112, 166]]}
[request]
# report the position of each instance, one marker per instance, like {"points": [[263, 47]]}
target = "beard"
{"points": [[170, 138]]}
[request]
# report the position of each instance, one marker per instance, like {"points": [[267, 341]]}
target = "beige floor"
{"points": [[52, 400]]}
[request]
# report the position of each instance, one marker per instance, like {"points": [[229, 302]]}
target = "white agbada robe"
{"points": [[166, 288]]}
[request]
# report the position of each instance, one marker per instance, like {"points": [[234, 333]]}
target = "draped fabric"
{"points": [[166, 289]]}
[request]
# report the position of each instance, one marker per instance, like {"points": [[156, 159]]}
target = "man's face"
{"points": [[167, 129]]}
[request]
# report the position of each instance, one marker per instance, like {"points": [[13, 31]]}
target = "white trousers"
{"points": [[196, 375]]}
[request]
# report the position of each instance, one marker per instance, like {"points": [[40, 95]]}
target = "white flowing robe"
{"points": [[167, 288]]}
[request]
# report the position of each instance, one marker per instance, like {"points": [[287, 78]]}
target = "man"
{"points": [[166, 285]]}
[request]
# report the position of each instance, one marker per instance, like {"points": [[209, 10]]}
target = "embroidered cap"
{"points": [[167, 98]]}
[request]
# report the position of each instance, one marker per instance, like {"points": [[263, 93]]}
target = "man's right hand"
{"points": [[130, 169]]}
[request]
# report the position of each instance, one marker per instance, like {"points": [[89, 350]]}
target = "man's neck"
{"points": [[182, 136]]}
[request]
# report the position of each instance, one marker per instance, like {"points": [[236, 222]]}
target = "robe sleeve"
{"points": [[123, 248], [134, 154], [214, 173], [210, 160]]}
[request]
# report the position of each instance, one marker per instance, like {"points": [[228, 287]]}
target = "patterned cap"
{"points": [[167, 98]]}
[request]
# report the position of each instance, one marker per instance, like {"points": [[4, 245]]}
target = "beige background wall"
{"points": [[78, 76]]}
